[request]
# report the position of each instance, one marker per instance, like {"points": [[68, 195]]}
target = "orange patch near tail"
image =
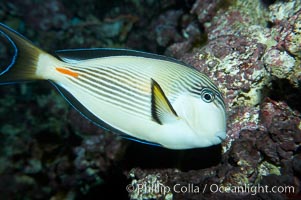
{"points": [[67, 72]]}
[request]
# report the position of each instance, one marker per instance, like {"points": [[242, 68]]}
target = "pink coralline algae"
{"points": [[283, 126], [288, 41], [243, 58], [254, 57]]}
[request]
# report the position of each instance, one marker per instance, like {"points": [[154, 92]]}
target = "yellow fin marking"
{"points": [[162, 110], [67, 72]]}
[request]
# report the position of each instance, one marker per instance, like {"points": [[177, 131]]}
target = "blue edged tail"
{"points": [[24, 61]]}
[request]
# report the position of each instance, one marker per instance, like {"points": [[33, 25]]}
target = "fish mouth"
{"points": [[221, 135], [220, 138]]}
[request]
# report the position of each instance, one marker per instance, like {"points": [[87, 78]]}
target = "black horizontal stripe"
{"points": [[105, 88], [105, 85], [109, 98], [129, 85], [126, 83], [117, 85], [119, 72], [125, 74]]}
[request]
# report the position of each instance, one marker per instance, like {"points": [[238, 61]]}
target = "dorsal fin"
{"points": [[162, 110], [75, 55]]}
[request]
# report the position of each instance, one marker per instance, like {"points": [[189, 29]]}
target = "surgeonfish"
{"points": [[146, 97]]}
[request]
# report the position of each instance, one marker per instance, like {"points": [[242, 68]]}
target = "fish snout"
{"points": [[221, 135]]}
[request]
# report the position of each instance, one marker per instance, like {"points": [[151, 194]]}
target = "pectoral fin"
{"points": [[162, 111]]}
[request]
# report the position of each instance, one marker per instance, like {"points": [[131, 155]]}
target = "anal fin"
{"points": [[162, 110]]}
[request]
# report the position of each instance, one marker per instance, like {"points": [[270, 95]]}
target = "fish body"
{"points": [[146, 97]]}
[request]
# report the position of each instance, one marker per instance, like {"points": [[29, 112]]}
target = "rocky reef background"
{"points": [[250, 48]]}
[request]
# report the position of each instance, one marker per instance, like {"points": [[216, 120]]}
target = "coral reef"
{"points": [[250, 48]]}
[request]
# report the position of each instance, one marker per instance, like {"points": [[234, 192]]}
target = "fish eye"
{"points": [[207, 95]]}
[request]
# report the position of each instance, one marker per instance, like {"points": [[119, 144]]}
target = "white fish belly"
{"points": [[175, 135]]}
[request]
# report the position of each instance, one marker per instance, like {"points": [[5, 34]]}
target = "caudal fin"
{"points": [[24, 61]]}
